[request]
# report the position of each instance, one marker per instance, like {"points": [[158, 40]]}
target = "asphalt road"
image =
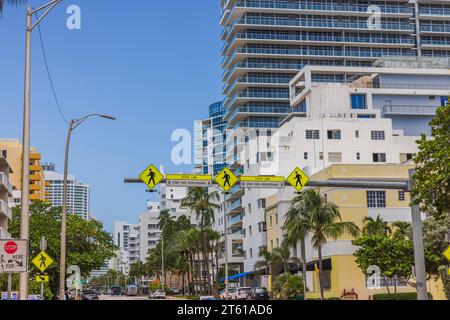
{"points": [[125, 298]]}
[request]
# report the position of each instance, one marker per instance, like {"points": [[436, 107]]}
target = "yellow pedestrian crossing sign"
{"points": [[298, 179], [226, 179], [151, 177], [447, 254], [42, 261], [42, 278]]}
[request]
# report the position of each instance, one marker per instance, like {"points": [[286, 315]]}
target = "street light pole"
{"points": [[73, 124], [25, 188]]}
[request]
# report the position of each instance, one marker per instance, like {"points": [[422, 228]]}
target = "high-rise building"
{"points": [[11, 150], [149, 233], [6, 190], [78, 194], [126, 238], [267, 42]]}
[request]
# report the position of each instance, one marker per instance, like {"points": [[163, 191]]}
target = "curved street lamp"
{"points": [[73, 124]]}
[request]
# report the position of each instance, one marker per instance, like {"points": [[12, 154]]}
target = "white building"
{"points": [[339, 115], [78, 194], [6, 191], [149, 233], [126, 238]]}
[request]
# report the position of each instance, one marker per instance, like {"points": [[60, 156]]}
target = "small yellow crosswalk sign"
{"points": [[226, 179], [42, 278], [42, 261], [151, 177], [298, 179], [447, 254]]}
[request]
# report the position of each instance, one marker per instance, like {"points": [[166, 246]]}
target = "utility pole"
{"points": [[163, 277], [419, 255], [25, 189], [225, 226], [43, 247]]}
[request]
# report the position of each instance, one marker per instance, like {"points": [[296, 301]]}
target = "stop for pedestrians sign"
{"points": [[13, 256]]}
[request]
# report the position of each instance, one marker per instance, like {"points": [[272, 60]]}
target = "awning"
{"points": [[326, 265], [237, 276]]}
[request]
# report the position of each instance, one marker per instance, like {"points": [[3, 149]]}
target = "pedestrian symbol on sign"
{"points": [[226, 179], [298, 179], [42, 261]]}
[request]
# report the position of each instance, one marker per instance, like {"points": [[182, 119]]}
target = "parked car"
{"points": [[132, 290], [258, 294], [158, 294], [232, 293], [242, 293], [89, 295], [116, 291]]}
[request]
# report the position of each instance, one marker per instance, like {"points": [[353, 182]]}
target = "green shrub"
{"points": [[398, 296]]}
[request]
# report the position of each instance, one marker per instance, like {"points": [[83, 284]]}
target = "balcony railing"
{"points": [[409, 110], [4, 234], [234, 205], [324, 23], [319, 6], [401, 86], [234, 220], [5, 209], [324, 38], [435, 11], [370, 52], [4, 182]]}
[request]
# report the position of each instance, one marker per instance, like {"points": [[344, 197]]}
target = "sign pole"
{"points": [[225, 226], [9, 285]]}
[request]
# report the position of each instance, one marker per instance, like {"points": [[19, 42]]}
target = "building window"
{"points": [[250, 230], [379, 157], [251, 253], [378, 135], [358, 156], [376, 199], [5, 153], [261, 203], [357, 134], [321, 156], [409, 156], [334, 134], [305, 155], [276, 219], [358, 101], [401, 196], [262, 226], [335, 157], [325, 276], [312, 134], [271, 221]]}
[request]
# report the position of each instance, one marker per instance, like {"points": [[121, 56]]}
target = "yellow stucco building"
{"points": [[11, 149], [340, 270]]}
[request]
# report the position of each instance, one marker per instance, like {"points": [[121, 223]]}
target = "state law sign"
{"points": [[13, 256]]}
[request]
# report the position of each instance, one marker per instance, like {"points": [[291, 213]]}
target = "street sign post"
{"points": [[298, 179], [188, 180], [13, 256], [262, 182], [151, 177], [226, 179], [42, 261]]}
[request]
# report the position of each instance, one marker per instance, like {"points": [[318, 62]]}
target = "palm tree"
{"points": [[401, 230], [317, 216], [265, 263], [11, 3], [376, 227], [201, 202]]}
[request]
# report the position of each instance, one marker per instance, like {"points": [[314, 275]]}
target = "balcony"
{"points": [[324, 24], [35, 187], [328, 7], [35, 156], [4, 234], [235, 222], [35, 177], [5, 185], [5, 210], [235, 207], [409, 110], [34, 168]]}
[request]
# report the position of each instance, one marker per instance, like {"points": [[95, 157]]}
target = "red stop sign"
{"points": [[10, 247]]}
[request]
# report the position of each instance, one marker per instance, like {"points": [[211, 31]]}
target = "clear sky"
{"points": [[155, 65]]}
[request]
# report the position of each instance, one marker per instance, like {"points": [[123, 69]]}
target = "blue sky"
{"points": [[155, 65]]}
